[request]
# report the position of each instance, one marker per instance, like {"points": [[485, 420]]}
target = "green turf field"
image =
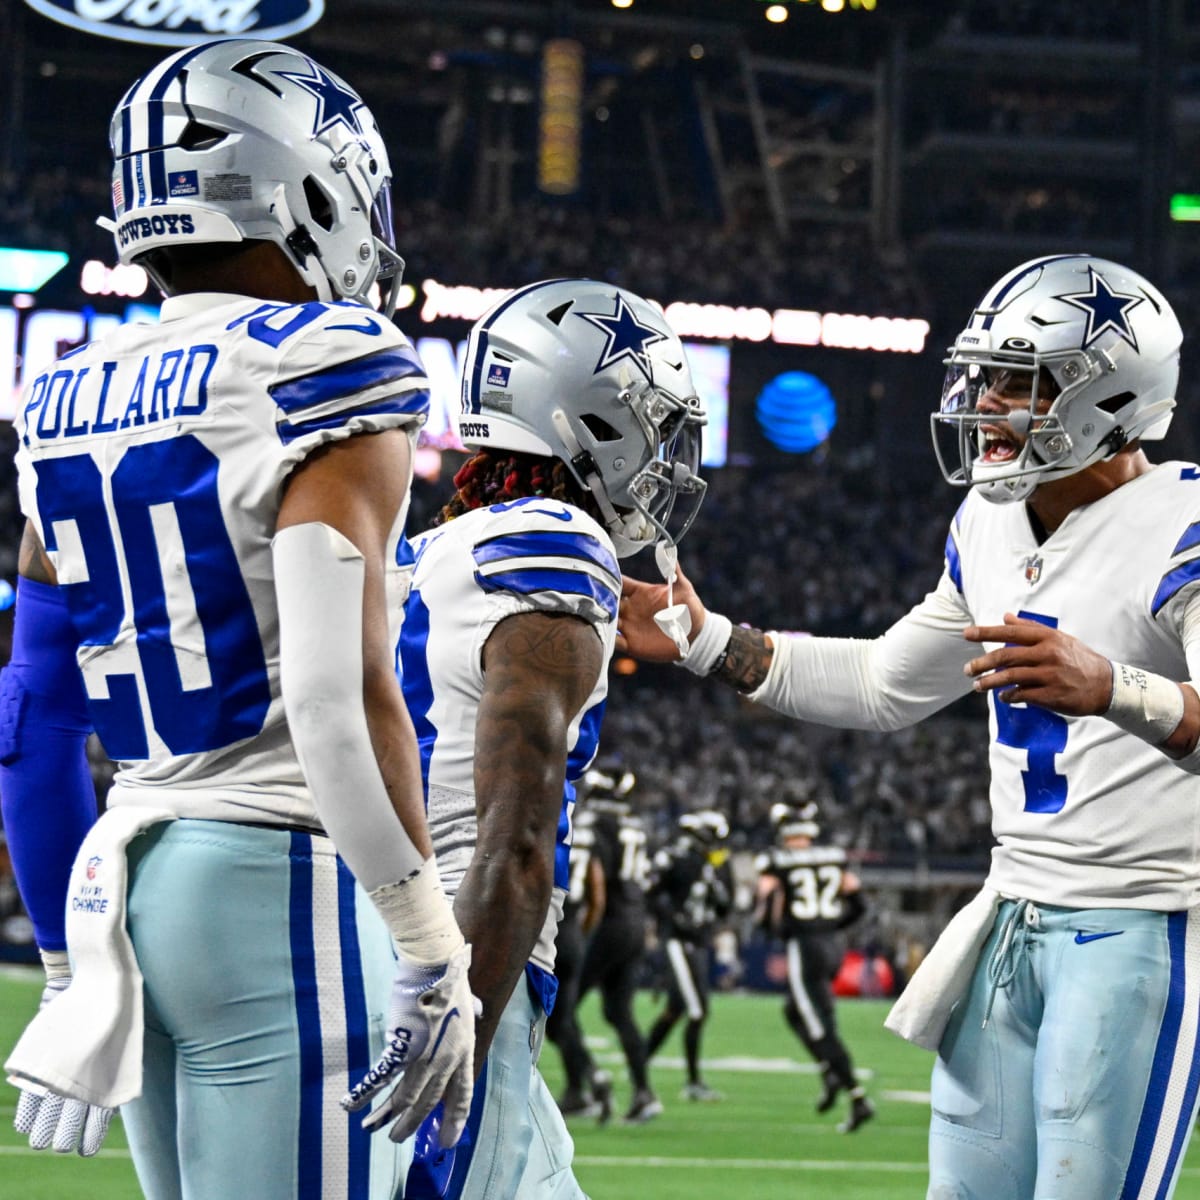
{"points": [[762, 1142]]}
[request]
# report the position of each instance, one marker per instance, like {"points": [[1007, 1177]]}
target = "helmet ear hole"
{"points": [[198, 136], [320, 206], [599, 428], [1114, 404]]}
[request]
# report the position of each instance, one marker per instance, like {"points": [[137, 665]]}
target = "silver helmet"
{"points": [[1098, 346], [242, 139], [593, 375]]}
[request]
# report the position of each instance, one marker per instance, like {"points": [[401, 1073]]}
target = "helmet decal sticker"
{"points": [[626, 337], [1105, 308]]}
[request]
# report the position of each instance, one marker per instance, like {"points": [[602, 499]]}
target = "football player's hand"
{"points": [[637, 633], [430, 1053], [1036, 664], [54, 1121]]}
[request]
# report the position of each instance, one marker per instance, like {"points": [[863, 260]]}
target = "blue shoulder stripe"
{"points": [[347, 378], [526, 581], [543, 543], [411, 403], [1172, 582], [1191, 537], [953, 559], [954, 562]]}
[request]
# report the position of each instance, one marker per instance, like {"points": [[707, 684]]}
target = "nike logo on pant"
{"points": [[1081, 938]]}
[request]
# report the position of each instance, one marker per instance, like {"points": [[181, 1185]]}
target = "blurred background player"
{"points": [[214, 529], [804, 896], [587, 1091], [691, 889], [614, 957], [578, 401]]}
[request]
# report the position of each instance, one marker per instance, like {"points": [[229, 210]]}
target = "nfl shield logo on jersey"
{"points": [[1033, 569], [92, 864]]}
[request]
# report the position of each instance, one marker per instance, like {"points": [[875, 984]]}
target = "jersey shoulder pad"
{"points": [[551, 554], [346, 369], [1183, 567]]}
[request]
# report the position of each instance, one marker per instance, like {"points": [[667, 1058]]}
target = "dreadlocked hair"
{"points": [[496, 476]]}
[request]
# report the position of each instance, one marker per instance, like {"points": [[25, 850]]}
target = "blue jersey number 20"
{"points": [[1042, 734], [230, 700]]}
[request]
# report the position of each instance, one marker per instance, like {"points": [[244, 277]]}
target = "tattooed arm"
{"points": [[539, 670], [32, 560]]}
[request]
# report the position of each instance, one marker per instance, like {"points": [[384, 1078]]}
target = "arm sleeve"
{"points": [[46, 792], [885, 683]]}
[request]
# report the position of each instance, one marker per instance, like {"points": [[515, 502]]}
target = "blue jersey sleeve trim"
{"points": [[347, 379], [529, 580], [546, 543], [411, 403], [1189, 540], [1172, 582]]}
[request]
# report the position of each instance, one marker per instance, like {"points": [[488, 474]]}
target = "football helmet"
{"points": [[1094, 341], [791, 821], [706, 826], [593, 375], [243, 139]]}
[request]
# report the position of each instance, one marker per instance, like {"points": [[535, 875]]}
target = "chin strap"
{"points": [[674, 620]]}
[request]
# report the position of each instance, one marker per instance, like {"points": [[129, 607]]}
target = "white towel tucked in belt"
{"points": [[940, 982], [87, 1043]]}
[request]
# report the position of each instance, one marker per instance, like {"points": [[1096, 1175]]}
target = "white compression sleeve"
{"points": [[319, 581], [885, 683]]}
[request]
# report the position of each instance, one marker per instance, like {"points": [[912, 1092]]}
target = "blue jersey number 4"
{"points": [[160, 485], [1042, 735]]}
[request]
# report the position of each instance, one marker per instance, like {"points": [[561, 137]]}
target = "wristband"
{"points": [[1144, 704], [419, 917], [710, 645], [56, 964]]}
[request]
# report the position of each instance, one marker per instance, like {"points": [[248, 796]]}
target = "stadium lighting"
{"points": [[622, 3], [1185, 207], [776, 14], [27, 270], [833, 5]]}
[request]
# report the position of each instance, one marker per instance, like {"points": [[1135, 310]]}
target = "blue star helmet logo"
{"points": [[1105, 309], [626, 337], [336, 103]]}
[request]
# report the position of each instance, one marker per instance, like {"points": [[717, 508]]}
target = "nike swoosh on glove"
{"points": [[431, 1020], [53, 1120]]}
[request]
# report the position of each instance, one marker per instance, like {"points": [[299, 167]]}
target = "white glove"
{"points": [[54, 1120], [431, 1020]]}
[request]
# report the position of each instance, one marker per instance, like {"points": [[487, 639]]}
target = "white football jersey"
{"points": [[153, 464], [1084, 814], [531, 555]]}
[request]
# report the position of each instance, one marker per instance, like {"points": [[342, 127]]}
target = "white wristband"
{"points": [[419, 917], [56, 964], [708, 644], [1144, 704]]}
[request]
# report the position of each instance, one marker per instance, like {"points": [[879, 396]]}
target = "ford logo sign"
{"points": [[183, 22]]}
